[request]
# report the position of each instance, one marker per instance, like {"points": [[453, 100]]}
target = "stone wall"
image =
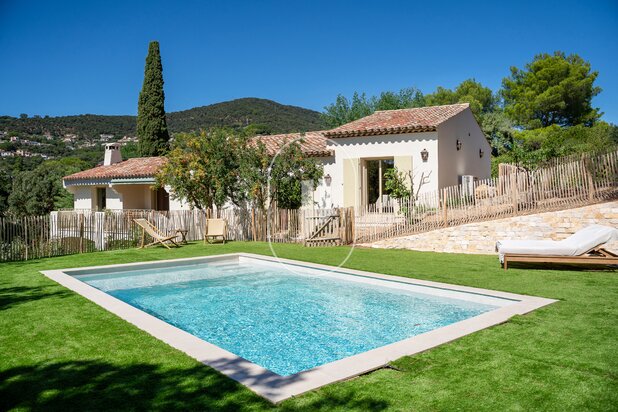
{"points": [[481, 237]]}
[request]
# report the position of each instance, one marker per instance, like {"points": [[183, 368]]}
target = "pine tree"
{"points": [[151, 125]]}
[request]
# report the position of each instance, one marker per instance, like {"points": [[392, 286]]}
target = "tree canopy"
{"points": [[202, 169], [552, 89], [212, 168], [269, 179], [151, 123], [346, 110], [39, 191], [542, 111], [481, 98]]}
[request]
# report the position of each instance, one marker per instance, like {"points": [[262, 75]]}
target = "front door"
{"points": [[162, 199], [101, 197]]}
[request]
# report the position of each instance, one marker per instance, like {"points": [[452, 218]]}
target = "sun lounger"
{"points": [[215, 228], [584, 246], [156, 234]]}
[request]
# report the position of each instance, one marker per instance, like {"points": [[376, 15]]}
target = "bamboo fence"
{"points": [[565, 183], [81, 231]]}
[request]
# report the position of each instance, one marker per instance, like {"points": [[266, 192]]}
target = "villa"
{"points": [[435, 146]]}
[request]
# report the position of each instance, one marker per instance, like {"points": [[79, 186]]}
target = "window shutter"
{"points": [[351, 184], [404, 164]]}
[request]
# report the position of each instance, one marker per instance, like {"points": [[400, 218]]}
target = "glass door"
{"points": [[375, 193]]}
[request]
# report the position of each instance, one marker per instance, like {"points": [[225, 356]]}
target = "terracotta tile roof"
{"points": [[136, 167], [314, 143], [422, 119]]}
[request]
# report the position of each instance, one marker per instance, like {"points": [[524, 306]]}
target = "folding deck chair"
{"points": [[215, 228], [156, 234]]}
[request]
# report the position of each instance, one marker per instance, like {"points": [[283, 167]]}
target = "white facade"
{"points": [[88, 195], [119, 193], [454, 163], [444, 166]]}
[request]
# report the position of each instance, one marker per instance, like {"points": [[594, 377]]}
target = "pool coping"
{"points": [[277, 388]]}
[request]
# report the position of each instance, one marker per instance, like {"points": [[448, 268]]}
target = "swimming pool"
{"points": [[286, 321]]}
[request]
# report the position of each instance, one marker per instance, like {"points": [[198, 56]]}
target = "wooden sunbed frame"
{"points": [[155, 233], [596, 256]]}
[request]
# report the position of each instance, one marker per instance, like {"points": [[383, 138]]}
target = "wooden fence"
{"points": [[81, 231], [566, 183]]}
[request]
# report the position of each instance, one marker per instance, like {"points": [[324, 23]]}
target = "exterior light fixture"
{"points": [[459, 144], [424, 155], [328, 179], [481, 153]]}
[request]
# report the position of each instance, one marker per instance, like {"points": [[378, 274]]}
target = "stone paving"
{"points": [[481, 237]]}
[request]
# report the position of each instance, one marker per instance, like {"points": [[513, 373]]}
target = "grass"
{"points": [[59, 351]]}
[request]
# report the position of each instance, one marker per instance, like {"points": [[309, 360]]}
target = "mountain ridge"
{"points": [[266, 115]]}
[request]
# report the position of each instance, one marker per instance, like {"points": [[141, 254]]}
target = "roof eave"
{"points": [[118, 179], [380, 132]]}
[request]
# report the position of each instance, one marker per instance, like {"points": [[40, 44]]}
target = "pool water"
{"points": [[284, 320]]}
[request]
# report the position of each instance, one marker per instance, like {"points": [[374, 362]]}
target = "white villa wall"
{"points": [[130, 196], [113, 199], [322, 197], [453, 162], [82, 197], [366, 147], [176, 204], [134, 196]]}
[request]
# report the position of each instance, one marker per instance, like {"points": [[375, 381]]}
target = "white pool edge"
{"points": [[277, 388]]}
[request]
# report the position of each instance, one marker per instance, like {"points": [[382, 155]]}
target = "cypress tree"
{"points": [[151, 125]]}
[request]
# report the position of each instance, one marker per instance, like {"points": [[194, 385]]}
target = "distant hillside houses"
{"points": [[22, 153], [106, 137], [128, 139]]}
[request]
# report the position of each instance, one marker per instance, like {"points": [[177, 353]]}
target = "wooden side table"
{"points": [[183, 234]]}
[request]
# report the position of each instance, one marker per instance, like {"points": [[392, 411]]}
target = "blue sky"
{"points": [[73, 57]]}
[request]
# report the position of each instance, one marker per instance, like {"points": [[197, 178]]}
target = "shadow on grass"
{"points": [[563, 267], [14, 296], [91, 385], [94, 386]]}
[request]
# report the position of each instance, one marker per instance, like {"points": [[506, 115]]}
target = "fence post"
{"points": [[99, 230], [352, 223], [26, 235], [206, 217], [590, 180], [444, 206], [514, 192], [81, 232], [253, 223]]}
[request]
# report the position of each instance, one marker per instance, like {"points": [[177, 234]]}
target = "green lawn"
{"points": [[58, 351]]}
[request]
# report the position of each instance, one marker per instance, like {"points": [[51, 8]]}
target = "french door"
{"points": [[374, 192]]}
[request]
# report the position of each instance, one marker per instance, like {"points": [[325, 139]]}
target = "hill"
{"points": [[273, 117]]}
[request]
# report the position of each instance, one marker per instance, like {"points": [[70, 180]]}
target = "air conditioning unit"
{"points": [[467, 184]]}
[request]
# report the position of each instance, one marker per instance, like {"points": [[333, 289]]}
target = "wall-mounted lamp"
{"points": [[459, 144], [424, 155], [328, 179], [481, 153]]}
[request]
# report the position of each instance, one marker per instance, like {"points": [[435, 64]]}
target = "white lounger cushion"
{"points": [[575, 245]]}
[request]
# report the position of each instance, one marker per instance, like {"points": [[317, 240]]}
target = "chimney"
{"points": [[112, 154]]}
